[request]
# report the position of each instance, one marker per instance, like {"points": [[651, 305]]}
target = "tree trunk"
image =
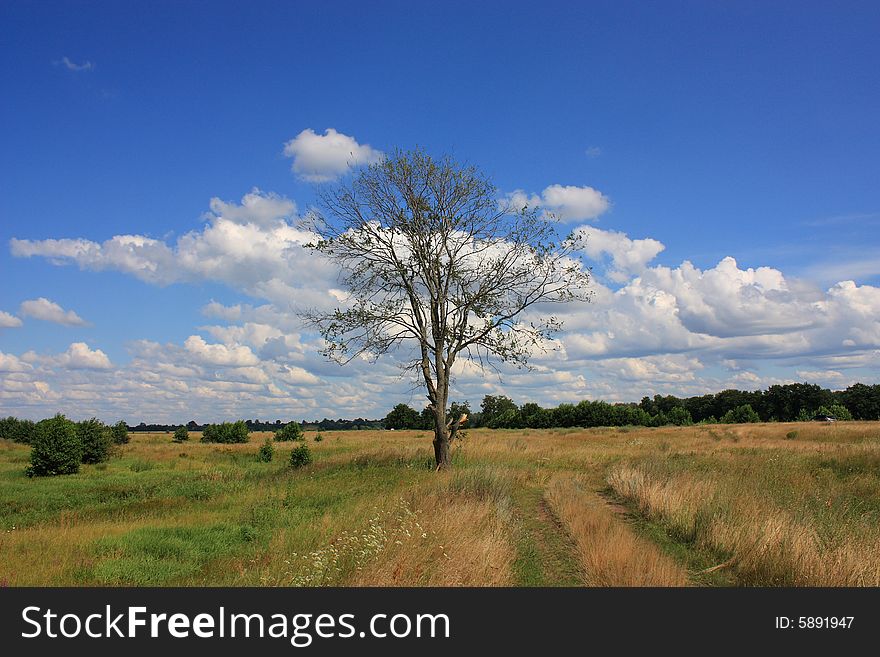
{"points": [[441, 447], [441, 431]]}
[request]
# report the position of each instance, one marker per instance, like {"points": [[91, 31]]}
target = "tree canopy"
{"points": [[433, 260]]}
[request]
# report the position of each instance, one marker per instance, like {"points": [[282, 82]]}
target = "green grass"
{"points": [[154, 556], [197, 514]]}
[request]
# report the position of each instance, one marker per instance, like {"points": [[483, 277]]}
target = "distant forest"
{"points": [[780, 403]]}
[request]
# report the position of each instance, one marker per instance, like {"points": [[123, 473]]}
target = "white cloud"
{"points": [[49, 311], [219, 311], [262, 209], [667, 368], [12, 363], [568, 203], [252, 247], [219, 354], [628, 256], [70, 65], [727, 301], [323, 158], [79, 356], [9, 321], [659, 330], [593, 152]]}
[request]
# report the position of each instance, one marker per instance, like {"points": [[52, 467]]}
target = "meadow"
{"points": [[776, 504]]}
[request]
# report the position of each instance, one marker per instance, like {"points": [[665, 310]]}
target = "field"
{"points": [[715, 505]]}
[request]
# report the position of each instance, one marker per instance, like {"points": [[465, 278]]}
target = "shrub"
{"points": [[791, 435], [318, 438], [181, 435], [290, 431], [836, 411], [96, 440], [679, 416], [300, 456], [211, 433], [55, 449], [267, 451], [226, 432], [741, 415], [19, 431], [804, 415], [120, 433]]}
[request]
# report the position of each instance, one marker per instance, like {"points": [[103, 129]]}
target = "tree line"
{"points": [[326, 424], [779, 403]]}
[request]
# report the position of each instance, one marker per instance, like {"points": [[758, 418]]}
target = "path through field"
{"points": [[545, 552], [772, 505]]}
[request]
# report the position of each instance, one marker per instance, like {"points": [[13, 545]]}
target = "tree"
{"points": [[225, 432], [493, 406], [19, 431], [432, 260], [55, 449], [120, 433], [96, 440], [181, 434], [679, 416], [835, 411], [741, 415], [402, 417], [863, 401], [290, 431]]}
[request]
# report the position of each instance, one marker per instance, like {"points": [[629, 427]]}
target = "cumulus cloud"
{"points": [[9, 321], [219, 354], [49, 311], [658, 329], [79, 356], [219, 311], [252, 247], [12, 363], [323, 158], [259, 208], [568, 203], [628, 256]]}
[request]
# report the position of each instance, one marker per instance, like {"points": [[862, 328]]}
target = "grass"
{"points": [[610, 553], [784, 504]]}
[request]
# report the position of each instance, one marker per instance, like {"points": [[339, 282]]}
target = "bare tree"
{"points": [[431, 259]]}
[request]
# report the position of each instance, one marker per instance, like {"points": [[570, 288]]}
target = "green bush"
{"points": [[804, 415], [267, 451], [318, 438], [181, 435], [96, 440], [226, 432], [290, 431], [791, 435], [300, 456], [836, 411], [741, 415], [19, 431], [679, 416], [56, 448], [120, 433]]}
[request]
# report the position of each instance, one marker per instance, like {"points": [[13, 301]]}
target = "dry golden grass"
{"points": [[775, 510], [452, 542], [766, 545], [609, 552]]}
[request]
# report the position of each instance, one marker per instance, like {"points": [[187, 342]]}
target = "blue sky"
{"points": [[716, 129]]}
